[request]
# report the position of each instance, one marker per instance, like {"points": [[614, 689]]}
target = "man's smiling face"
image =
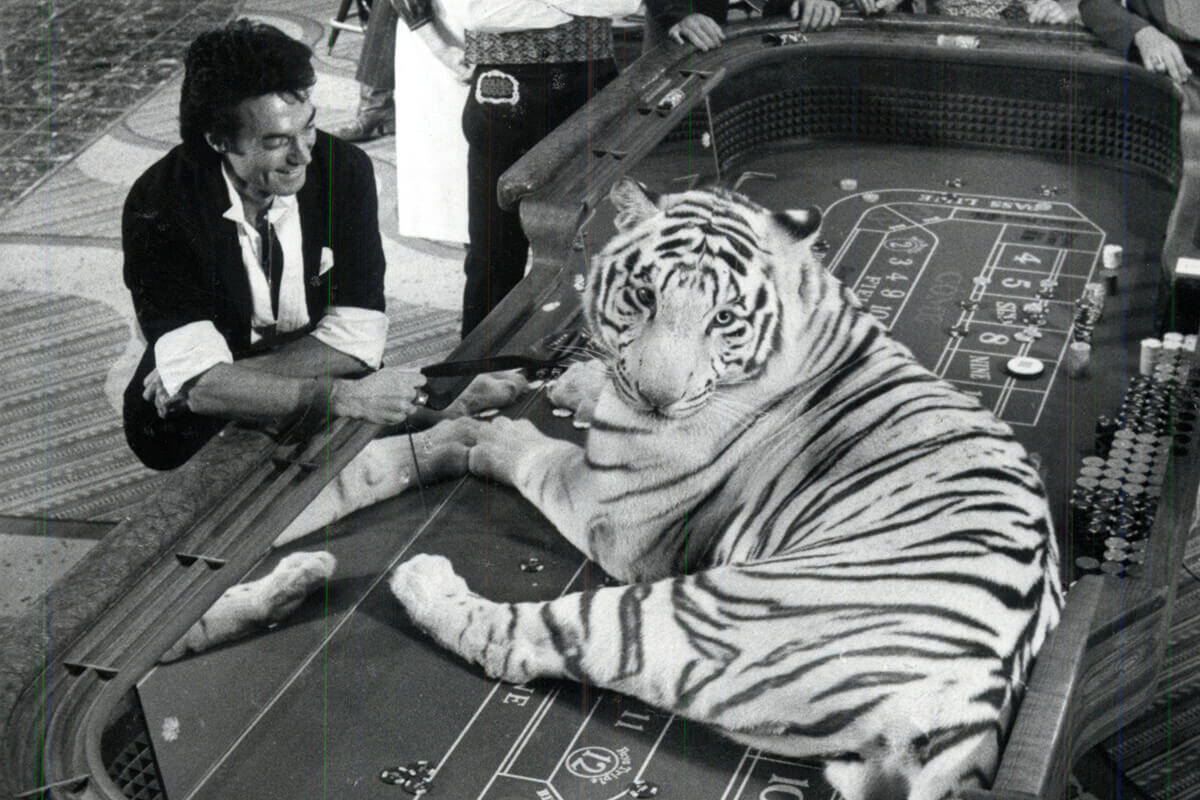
{"points": [[273, 146]]}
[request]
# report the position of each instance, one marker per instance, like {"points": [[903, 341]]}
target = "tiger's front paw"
{"points": [[579, 388], [429, 589], [489, 390], [442, 450], [440, 603], [499, 446]]}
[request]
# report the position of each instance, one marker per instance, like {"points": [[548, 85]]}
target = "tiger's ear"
{"points": [[634, 203], [801, 224]]}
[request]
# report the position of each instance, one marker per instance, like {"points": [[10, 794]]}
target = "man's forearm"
{"points": [[306, 357], [273, 385], [252, 394], [238, 391], [1113, 24]]}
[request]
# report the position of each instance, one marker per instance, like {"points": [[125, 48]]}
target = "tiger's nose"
{"points": [[662, 388]]}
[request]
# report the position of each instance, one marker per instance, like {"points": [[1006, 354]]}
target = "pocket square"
{"points": [[326, 261]]}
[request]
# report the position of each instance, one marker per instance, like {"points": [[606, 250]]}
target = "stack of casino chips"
{"points": [[1088, 310], [1116, 495]]}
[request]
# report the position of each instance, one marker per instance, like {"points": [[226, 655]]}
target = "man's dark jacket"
{"points": [[183, 264], [1116, 25]]}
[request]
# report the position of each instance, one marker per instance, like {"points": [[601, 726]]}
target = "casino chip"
{"points": [[1024, 367], [848, 184], [871, 197]]}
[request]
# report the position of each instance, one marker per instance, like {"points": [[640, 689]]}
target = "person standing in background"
{"points": [[432, 80], [376, 76], [535, 65], [1165, 34]]}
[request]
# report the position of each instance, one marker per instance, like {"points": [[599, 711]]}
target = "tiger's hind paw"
{"points": [[246, 607], [293, 579], [438, 601]]}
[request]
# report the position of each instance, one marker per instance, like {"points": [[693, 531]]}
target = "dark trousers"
{"points": [[167, 443], [377, 60], [498, 134], [162, 443]]}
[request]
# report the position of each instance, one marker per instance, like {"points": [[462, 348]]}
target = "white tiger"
{"points": [[831, 552]]}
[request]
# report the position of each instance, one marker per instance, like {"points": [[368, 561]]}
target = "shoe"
{"points": [[375, 118]]}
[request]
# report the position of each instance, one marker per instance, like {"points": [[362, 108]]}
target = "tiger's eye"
{"points": [[723, 317], [644, 296]]}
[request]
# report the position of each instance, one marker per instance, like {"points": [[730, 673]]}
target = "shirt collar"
{"points": [[281, 205]]}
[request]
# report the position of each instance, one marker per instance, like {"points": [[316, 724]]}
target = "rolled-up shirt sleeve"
{"points": [[357, 332], [187, 351]]}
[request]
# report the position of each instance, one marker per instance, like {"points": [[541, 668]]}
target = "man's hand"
{"points": [[816, 15], [1161, 54], [1048, 12], [700, 30], [455, 59], [167, 404], [386, 396], [450, 54]]}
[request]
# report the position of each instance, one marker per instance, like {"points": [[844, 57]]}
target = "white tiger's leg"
{"points": [[516, 642], [626, 638], [767, 668], [249, 606], [383, 469], [579, 388], [488, 390], [575, 497]]}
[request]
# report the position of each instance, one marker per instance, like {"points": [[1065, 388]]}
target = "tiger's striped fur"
{"points": [[831, 552]]}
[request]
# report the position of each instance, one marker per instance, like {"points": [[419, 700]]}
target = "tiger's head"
{"points": [[692, 294]]}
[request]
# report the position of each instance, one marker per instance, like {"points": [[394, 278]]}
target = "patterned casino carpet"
{"points": [[70, 68], [62, 451]]}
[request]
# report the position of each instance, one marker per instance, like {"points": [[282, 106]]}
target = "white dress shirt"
{"points": [[193, 349]]}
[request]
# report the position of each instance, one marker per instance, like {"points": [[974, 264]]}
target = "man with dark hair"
{"points": [[253, 255]]}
